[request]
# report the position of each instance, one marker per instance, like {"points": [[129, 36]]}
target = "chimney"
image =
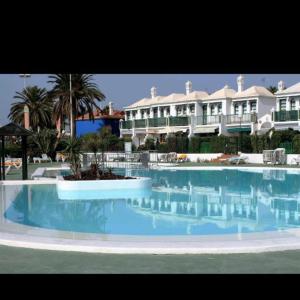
{"points": [[281, 86], [240, 83], [110, 105], [153, 92], [26, 117], [188, 87]]}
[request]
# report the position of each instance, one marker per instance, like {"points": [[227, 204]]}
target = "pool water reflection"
{"points": [[205, 202]]}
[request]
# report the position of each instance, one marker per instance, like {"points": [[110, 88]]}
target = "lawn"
{"points": [[21, 260]]}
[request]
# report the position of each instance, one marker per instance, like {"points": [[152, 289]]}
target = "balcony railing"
{"points": [[179, 121], [140, 123], [126, 124], [157, 122], [245, 118], [204, 120], [289, 115]]}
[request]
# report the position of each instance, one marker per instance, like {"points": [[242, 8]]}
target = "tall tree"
{"points": [[39, 104], [85, 95]]}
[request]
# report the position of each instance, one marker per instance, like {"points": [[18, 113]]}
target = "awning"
{"points": [[239, 129], [208, 129]]}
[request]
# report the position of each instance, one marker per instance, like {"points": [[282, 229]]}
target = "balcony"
{"points": [[140, 123], [157, 122], [179, 121], [205, 120], [289, 115], [245, 118], [126, 124]]}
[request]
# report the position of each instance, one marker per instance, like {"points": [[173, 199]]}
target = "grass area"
{"points": [[21, 260], [15, 174]]}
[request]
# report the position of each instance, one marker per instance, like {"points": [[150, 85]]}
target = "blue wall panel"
{"points": [[87, 126]]}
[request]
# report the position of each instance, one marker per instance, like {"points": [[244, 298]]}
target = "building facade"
{"points": [[286, 112], [225, 112]]}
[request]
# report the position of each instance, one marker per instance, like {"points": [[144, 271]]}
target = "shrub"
{"points": [[296, 144], [194, 144]]}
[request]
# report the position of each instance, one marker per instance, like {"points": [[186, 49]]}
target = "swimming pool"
{"points": [[181, 203]]}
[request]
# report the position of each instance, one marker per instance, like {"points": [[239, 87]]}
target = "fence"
{"points": [[120, 159]]}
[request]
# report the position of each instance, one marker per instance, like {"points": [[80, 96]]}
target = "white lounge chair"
{"points": [[296, 160], [237, 159], [44, 157]]}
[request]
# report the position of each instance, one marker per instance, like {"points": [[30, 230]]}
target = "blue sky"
{"points": [[124, 89]]}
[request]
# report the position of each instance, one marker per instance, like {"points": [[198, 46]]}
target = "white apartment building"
{"points": [[225, 111], [286, 113]]}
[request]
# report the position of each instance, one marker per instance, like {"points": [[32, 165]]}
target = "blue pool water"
{"points": [[181, 203]]}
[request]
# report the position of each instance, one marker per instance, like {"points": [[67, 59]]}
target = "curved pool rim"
{"points": [[47, 239]]}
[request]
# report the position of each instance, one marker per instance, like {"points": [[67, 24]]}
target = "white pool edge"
{"points": [[154, 247]]}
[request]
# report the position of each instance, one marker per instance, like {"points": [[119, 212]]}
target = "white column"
{"points": [[208, 109], [188, 111], [151, 112], [248, 107], [288, 103], [277, 105], [159, 112], [240, 108], [172, 110], [138, 114]]}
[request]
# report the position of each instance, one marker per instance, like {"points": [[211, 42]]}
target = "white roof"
{"points": [[146, 102], [223, 93], [254, 91], [159, 100], [196, 95], [172, 98], [291, 90]]}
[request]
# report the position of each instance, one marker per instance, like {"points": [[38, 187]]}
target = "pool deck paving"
{"points": [[27, 261]]}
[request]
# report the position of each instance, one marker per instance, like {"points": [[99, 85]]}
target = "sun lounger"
{"points": [[296, 160], [237, 159]]}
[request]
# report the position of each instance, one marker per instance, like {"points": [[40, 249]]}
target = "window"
{"points": [[282, 104], [184, 109], [148, 113], [128, 115], [253, 106], [293, 104], [133, 114], [155, 110], [236, 109], [219, 108], [192, 108], [142, 114], [168, 111], [244, 108]]}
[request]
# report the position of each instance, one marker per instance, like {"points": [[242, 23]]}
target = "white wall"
{"points": [[265, 104], [258, 158]]}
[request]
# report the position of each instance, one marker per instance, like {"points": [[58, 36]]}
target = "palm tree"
{"points": [[272, 89], [73, 150], [39, 104], [84, 92]]}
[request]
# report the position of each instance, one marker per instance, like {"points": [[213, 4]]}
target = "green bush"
{"points": [[194, 144], [296, 144]]}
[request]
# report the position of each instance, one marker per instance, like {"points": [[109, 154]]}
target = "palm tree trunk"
{"points": [[74, 112]]}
